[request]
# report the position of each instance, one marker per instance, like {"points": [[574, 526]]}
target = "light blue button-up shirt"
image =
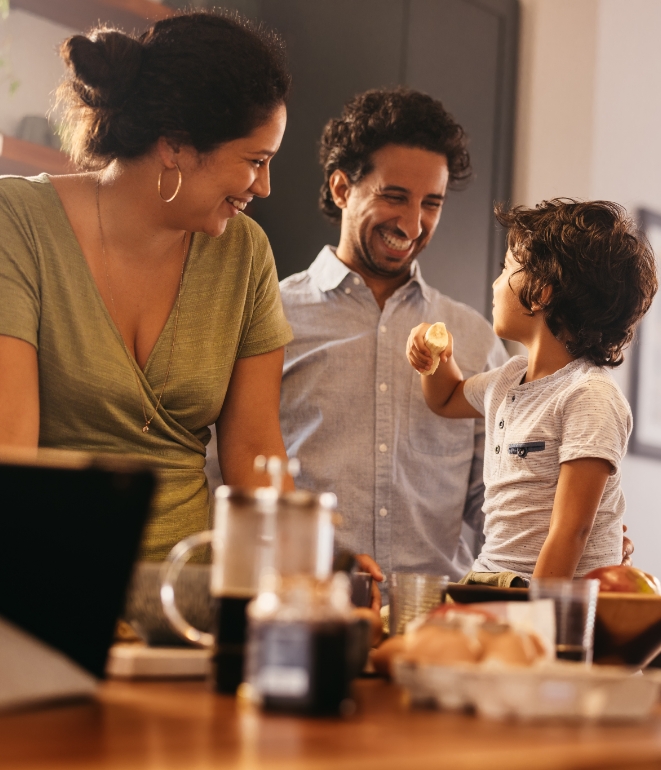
{"points": [[352, 411]]}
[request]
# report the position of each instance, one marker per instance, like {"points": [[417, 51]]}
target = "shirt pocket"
{"points": [[434, 435], [533, 457]]}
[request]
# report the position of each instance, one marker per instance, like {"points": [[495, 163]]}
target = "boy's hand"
{"points": [[443, 391], [418, 353]]}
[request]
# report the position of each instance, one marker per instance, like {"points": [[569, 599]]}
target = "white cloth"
{"points": [[531, 429]]}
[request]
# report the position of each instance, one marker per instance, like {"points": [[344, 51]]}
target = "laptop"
{"points": [[70, 528]]}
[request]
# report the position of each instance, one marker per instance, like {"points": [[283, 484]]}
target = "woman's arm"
{"points": [[19, 393], [581, 484], [443, 390], [249, 423]]}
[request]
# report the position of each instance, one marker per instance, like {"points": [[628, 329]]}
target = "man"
{"points": [[351, 408]]}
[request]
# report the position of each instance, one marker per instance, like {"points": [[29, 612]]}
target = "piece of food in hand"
{"points": [[500, 643], [436, 339], [619, 578]]}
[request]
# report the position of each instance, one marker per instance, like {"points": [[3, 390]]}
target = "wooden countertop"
{"points": [[161, 726]]}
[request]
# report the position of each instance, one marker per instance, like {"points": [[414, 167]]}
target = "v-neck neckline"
{"points": [[97, 294]]}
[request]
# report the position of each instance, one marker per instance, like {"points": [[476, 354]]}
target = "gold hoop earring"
{"points": [[176, 192]]}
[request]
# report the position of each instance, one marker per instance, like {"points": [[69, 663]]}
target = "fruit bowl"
{"points": [[627, 628]]}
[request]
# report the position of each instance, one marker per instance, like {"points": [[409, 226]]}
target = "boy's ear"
{"points": [[545, 298]]}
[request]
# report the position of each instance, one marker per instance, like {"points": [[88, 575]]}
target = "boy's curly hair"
{"points": [[379, 117], [600, 268]]}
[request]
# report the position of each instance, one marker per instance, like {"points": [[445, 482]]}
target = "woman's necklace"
{"points": [[114, 318]]}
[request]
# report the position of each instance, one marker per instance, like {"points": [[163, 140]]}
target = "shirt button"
{"points": [[356, 280], [382, 329], [383, 448], [347, 290], [501, 424], [383, 387], [383, 512], [513, 398], [497, 450]]}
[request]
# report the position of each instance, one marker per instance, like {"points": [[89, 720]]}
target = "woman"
{"points": [[138, 305]]}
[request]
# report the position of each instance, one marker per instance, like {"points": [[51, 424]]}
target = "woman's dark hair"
{"points": [[600, 268], [199, 79], [380, 117]]}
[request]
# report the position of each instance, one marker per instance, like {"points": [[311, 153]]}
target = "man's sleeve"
{"points": [[19, 277], [268, 329]]}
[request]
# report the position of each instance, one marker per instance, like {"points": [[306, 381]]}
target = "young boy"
{"points": [[576, 280]]}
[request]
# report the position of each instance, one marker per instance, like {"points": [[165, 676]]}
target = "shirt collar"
{"points": [[416, 277], [328, 272]]}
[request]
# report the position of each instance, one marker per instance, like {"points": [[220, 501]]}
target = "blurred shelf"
{"points": [[27, 159], [83, 14]]}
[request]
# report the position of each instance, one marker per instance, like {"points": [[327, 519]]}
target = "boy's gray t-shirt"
{"points": [[579, 411]]}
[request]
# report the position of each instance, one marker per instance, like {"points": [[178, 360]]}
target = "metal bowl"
{"points": [[144, 612]]}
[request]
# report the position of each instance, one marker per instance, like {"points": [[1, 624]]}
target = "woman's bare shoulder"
{"points": [[73, 188]]}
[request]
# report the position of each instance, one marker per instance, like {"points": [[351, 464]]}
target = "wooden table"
{"points": [[159, 726]]}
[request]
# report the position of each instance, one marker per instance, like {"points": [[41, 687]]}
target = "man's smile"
{"points": [[393, 241]]}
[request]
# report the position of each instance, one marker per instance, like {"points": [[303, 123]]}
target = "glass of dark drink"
{"points": [[575, 603], [361, 589], [299, 651], [230, 639]]}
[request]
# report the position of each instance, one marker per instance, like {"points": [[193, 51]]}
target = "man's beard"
{"points": [[365, 258]]}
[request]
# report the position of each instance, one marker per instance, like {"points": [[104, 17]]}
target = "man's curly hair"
{"points": [[379, 117], [600, 268]]}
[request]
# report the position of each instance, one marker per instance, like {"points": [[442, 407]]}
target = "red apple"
{"points": [[655, 582], [620, 579]]}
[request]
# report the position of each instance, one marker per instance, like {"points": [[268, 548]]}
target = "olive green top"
{"points": [[89, 398]]}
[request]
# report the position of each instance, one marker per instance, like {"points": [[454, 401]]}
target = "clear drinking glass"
{"points": [[411, 595], [575, 608]]}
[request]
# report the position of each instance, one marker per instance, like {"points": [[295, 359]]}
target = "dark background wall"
{"points": [[462, 52]]}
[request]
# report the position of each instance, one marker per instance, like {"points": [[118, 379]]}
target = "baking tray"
{"points": [[470, 594]]}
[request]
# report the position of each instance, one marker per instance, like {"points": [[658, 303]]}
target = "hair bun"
{"points": [[105, 65]]}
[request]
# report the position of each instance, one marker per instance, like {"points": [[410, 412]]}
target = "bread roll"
{"points": [[442, 645], [436, 339], [507, 646]]}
